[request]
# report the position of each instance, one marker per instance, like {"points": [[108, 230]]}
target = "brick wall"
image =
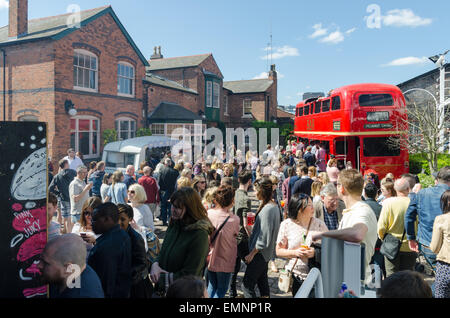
{"points": [[158, 94], [105, 39]]}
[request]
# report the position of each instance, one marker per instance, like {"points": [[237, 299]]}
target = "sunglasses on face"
{"points": [[131, 191], [87, 214]]}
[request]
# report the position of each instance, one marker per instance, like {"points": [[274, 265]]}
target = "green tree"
{"points": [[143, 132], [109, 135]]}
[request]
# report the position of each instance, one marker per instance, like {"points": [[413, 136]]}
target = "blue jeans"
{"points": [[218, 284], [253, 176], [165, 206]]}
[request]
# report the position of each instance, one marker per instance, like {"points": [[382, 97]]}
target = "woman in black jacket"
{"points": [[141, 286]]}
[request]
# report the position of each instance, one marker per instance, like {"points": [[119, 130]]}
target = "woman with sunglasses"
{"points": [[294, 237], [84, 226], [199, 185], [142, 214], [262, 241], [186, 242]]}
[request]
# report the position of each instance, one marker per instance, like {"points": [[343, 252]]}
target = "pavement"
{"points": [[280, 263]]}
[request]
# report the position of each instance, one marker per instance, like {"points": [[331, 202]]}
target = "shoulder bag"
{"points": [[208, 257], [391, 246], [285, 279]]}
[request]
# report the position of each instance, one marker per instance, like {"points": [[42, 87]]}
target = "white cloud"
{"points": [[4, 4], [348, 32], [265, 75], [334, 38], [281, 52], [319, 31], [404, 18], [411, 60]]}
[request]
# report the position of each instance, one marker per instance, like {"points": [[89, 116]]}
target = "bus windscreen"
{"points": [[380, 147], [371, 100]]}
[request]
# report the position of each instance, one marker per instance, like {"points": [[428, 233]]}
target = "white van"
{"points": [[119, 154]]}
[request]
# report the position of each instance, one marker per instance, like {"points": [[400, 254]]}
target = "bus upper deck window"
{"points": [[336, 103], [371, 100], [307, 110], [317, 107], [326, 105]]}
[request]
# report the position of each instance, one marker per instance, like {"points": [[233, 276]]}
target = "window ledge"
{"points": [[125, 95], [247, 116], [84, 89], [226, 114]]}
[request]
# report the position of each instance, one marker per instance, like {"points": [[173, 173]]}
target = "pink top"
{"points": [[333, 173], [322, 158], [223, 252]]}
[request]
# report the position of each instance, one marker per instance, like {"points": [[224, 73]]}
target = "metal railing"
{"points": [[314, 279]]}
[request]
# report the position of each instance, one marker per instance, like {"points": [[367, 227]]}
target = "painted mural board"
{"points": [[23, 208]]}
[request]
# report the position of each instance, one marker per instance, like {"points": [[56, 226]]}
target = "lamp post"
{"points": [[439, 61]]}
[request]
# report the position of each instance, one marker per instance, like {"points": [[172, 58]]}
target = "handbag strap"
{"points": [[217, 232]]}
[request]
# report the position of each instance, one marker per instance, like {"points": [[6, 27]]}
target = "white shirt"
{"points": [[74, 163], [254, 162], [144, 217], [270, 154], [362, 213]]}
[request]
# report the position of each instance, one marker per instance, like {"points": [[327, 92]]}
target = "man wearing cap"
{"points": [[426, 206]]}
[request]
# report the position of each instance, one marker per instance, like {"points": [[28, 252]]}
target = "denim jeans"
{"points": [[218, 284], [256, 274], [165, 206]]}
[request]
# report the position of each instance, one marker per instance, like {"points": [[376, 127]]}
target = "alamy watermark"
{"points": [[205, 144], [74, 19]]}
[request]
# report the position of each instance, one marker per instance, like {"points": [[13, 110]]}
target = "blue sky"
{"points": [[317, 46]]}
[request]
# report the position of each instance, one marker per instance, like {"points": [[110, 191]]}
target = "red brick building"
{"points": [[196, 83], [54, 67], [50, 66]]}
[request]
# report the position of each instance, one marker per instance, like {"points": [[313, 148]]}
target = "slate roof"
{"points": [[177, 62], [171, 112], [164, 82], [249, 86], [56, 27]]}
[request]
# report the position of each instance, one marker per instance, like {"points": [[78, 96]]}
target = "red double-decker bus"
{"points": [[357, 123]]}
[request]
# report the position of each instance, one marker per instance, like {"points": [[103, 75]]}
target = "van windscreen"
{"points": [[119, 159]]}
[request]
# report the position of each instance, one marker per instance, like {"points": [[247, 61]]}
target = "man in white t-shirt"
{"points": [[74, 161], [359, 223], [269, 154]]}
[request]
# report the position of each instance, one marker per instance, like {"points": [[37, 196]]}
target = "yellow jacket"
{"points": [[392, 220]]}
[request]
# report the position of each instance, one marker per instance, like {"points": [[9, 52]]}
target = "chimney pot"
{"points": [[18, 18]]}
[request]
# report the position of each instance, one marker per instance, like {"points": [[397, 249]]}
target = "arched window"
{"points": [[125, 79], [85, 135], [126, 128], [28, 118], [85, 71]]}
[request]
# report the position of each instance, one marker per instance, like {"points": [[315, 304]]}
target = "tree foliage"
{"points": [[424, 125]]}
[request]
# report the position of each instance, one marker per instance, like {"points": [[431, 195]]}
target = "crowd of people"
{"points": [[105, 224]]}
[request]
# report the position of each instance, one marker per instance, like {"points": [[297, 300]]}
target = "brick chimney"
{"points": [[272, 73], [157, 53], [18, 18]]}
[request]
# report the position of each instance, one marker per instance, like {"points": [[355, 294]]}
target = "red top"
{"points": [[151, 188]]}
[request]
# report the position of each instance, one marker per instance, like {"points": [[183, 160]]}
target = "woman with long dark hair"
{"points": [[186, 242], [262, 241]]}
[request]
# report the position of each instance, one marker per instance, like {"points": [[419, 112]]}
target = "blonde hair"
{"points": [[117, 177], [184, 182], [186, 173], [316, 187], [323, 176], [313, 170], [139, 193], [209, 195]]}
